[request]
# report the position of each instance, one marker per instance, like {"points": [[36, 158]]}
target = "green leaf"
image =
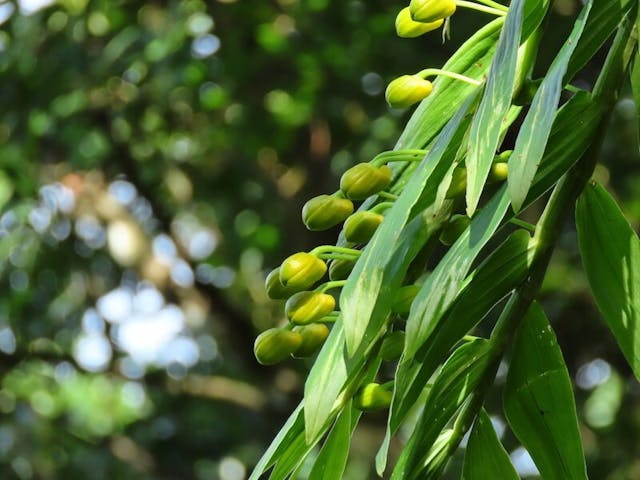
{"points": [[535, 129], [538, 401], [635, 77], [293, 428], [603, 21], [610, 252], [496, 276], [485, 457], [487, 123], [332, 459], [459, 376], [365, 301]]}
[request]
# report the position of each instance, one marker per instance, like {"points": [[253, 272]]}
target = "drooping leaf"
{"points": [[635, 77], [486, 126], [538, 401], [499, 274], [332, 459], [535, 129], [485, 457], [458, 377], [603, 20], [610, 252], [365, 299]]}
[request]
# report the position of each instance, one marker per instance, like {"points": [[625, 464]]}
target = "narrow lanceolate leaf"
{"points": [[486, 127], [538, 401], [293, 428], [610, 252], [485, 457], [535, 130], [365, 300], [332, 459], [496, 276], [635, 77], [458, 378]]}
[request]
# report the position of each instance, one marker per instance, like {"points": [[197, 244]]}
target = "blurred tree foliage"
{"points": [[153, 160]]}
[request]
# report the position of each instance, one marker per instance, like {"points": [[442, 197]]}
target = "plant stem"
{"points": [[408, 155], [330, 249], [496, 5], [329, 285], [432, 72], [481, 8]]}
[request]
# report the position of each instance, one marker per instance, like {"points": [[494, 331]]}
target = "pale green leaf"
{"points": [[535, 130], [538, 401], [485, 457], [487, 123], [610, 252], [332, 459]]}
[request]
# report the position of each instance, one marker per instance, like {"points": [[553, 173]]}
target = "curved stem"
{"points": [[481, 8], [407, 155], [329, 285], [337, 256], [496, 5], [330, 249], [381, 207], [388, 196], [432, 72]]}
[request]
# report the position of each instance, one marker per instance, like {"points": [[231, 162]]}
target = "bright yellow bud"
{"points": [[301, 270], [275, 345], [407, 27], [372, 397], [431, 10], [363, 180], [406, 90], [325, 211], [308, 307]]}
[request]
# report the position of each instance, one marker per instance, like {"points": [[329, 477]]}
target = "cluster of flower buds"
{"points": [[420, 17]]}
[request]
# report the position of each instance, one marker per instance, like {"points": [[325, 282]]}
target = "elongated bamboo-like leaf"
{"points": [[635, 77], [332, 459], [459, 377], [535, 129], [485, 456], [486, 126], [610, 252], [499, 274], [292, 428], [603, 21], [538, 401], [365, 300]]}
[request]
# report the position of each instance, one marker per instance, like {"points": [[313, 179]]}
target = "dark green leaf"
{"points": [[332, 459], [538, 401], [485, 456], [535, 129], [487, 123], [610, 252]]}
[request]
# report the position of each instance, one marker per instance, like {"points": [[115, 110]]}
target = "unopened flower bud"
{"points": [[407, 27], [325, 211], [454, 228], [406, 90], [275, 345], [499, 168], [458, 185], [372, 397], [363, 180], [301, 270], [392, 346], [339, 269], [275, 289], [403, 299], [431, 10], [360, 227], [313, 337], [308, 307]]}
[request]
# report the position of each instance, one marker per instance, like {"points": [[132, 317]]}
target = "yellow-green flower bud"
{"points": [[454, 228], [363, 180], [372, 397], [339, 269], [431, 10], [275, 345], [308, 307], [301, 270], [360, 227], [325, 211], [404, 298], [275, 289], [406, 90], [407, 27], [458, 185], [313, 337], [392, 346], [498, 172]]}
